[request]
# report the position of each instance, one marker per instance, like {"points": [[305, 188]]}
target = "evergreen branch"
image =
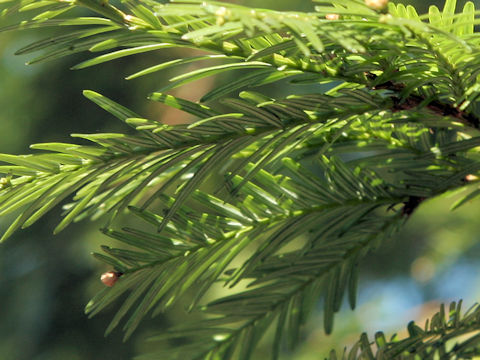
{"points": [[135, 160], [289, 298], [214, 237], [399, 120], [156, 157], [340, 233], [446, 335], [132, 164], [168, 36]]}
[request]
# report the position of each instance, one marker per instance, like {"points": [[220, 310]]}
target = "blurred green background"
{"points": [[46, 280]]}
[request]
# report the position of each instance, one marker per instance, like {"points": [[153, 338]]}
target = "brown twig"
{"points": [[411, 204], [413, 101]]}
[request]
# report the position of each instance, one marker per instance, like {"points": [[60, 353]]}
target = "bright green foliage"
{"points": [[307, 184]]}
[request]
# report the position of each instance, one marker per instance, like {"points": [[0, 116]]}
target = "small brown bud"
{"points": [[471, 177], [376, 4], [332, 16], [110, 278]]}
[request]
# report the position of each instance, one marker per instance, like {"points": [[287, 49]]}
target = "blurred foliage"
{"points": [[46, 280]]}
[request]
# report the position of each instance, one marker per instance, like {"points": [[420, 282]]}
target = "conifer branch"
{"points": [[447, 335], [309, 184]]}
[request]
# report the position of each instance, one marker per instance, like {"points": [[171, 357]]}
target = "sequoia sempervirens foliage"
{"points": [[277, 198]]}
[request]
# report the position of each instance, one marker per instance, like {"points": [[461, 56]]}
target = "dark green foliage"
{"points": [[307, 184]]}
